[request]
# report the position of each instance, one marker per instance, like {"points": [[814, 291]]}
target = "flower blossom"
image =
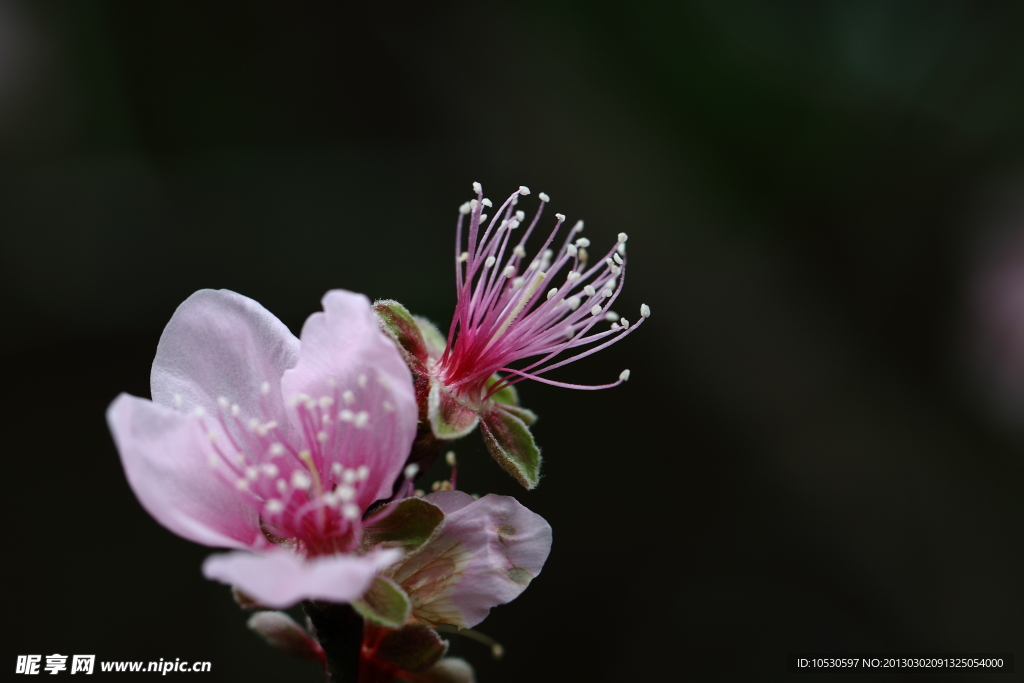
{"points": [[543, 310], [258, 442]]}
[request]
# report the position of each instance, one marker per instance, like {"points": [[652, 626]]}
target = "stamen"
{"points": [[543, 196], [645, 310], [624, 375], [524, 190], [478, 188], [523, 300]]}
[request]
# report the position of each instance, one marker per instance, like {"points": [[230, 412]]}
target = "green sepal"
{"points": [[398, 323], [449, 419], [510, 442], [413, 648], [508, 397], [384, 603], [406, 524], [432, 337], [281, 631]]}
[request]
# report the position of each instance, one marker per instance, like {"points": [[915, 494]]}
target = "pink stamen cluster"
{"points": [[312, 479], [508, 310]]}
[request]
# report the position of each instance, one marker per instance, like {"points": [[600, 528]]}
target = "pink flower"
{"points": [[256, 441], [544, 311], [485, 555]]}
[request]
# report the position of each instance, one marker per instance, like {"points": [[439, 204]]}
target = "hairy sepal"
{"points": [[413, 648], [398, 323], [406, 524], [281, 631], [508, 397], [384, 603], [449, 419], [510, 442]]}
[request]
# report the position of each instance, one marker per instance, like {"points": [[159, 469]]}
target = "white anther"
{"points": [[478, 188], [329, 499], [569, 331], [465, 208], [473, 203], [624, 323], [560, 217], [623, 237], [607, 293], [520, 216], [552, 292], [212, 436], [645, 310], [483, 218], [573, 302], [177, 401], [611, 284], [509, 271], [362, 418], [615, 270], [524, 190], [624, 375], [348, 396], [618, 259], [349, 476], [571, 250], [611, 316], [534, 265], [309, 404], [213, 461], [251, 473], [608, 262], [254, 424], [274, 506], [411, 471], [239, 459], [543, 196], [583, 242], [621, 248], [282, 486], [326, 401], [573, 276], [242, 484], [449, 457], [322, 436], [548, 253], [388, 406], [615, 326], [361, 381], [223, 402], [363, 472], [345, 493], [350, 511], [487, 202], [276, 450], [265, 388], [518, 282], [235, 410], [301, 480], [513, 224], [578, 227], [270, 469], [346, 415], [519, 251], [489, 262], [590, 291], [337, 469], [463, 257], [596, 309]]}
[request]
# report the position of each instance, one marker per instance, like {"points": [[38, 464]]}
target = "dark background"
{"points": [[813, 453]]}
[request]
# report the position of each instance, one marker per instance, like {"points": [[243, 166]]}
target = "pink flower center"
{"points": [[310, 479], [511, 308]]}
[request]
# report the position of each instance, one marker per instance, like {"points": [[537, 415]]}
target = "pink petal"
{"points": [[344, 345], [280, 578], [166, 457], [219, 343], [489, 551]]}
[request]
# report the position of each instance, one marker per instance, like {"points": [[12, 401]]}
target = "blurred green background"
{"points": [[811, 453]]}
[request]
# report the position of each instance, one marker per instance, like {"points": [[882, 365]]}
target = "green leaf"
{"points": [[449, 419], [399, 324], [384, 603], [281, 631], [412, 648], [510, 442], [406, 524]]}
